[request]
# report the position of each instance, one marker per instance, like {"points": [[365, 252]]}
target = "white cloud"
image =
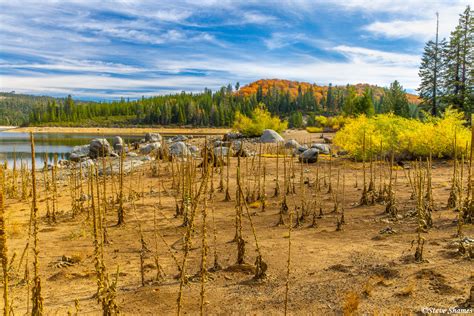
{"points": [[377, 56], [418, 21]]}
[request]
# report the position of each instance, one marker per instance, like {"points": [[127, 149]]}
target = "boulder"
{"points": [[309, 156], [179, 149], [178, 138], [79, 152], [149, 148], [232, 136], [193, 149], [153, 137], [242, 152], [222, 152], [237, 145], [292, 144], [270, 136], [323, 148], [300, 149], [118, 144], [99, 147], [86, 164]]}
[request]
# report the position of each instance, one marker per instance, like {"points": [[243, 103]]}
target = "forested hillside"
{"points": [[209, 108], [16, 108]]}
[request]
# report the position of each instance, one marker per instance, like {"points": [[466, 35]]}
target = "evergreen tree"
{"points": [[330, 99], [364, 104], [296, 120], [459, 64], [349, 107], [395, 100], [430, 71]]}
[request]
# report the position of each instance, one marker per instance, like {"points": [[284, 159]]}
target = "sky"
{"points": [[105, 50]]}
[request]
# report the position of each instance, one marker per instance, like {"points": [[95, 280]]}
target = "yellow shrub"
{"points": [[334, 122], [314, 129], [260, 120], [406, 136]]}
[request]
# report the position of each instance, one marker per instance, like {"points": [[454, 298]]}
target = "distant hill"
{"points": [[282, 97], [319, 91], [16, 108]]}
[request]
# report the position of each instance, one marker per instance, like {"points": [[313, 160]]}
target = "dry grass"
{"points": [[351, 303]]}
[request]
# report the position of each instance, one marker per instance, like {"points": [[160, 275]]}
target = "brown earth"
{"points": [[329, 269]]}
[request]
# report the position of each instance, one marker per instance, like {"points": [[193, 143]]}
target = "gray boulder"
{"points": [[153, 137], [193, 149], [292, 144], [79, 152], [86, 164], [222, 151], [323, 148], [300, 149], [232, 136], [270, 136], [179, 149], [149, 148], [178, 138], [118, 144], [99, 147], [309, 156]]}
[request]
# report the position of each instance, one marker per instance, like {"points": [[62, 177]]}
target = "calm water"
{"points": [[17, 146]]}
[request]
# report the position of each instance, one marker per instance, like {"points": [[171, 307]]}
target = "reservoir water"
{"points": [[16, 146]]}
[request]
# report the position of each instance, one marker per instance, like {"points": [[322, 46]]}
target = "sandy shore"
{"points": [[120, 131]]}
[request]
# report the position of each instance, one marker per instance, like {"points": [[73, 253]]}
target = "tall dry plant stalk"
{"points": [[121, 210], [37, 299], [364, 200], [390, 207], [453, 200], [260, 265], [4, 253], [288, 262], [188, 234]]}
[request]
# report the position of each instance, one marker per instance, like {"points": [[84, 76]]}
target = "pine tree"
{"points": [[431, 69], [330, 100], [349, 106], [459, 61], [395, 100], [364, 103]]}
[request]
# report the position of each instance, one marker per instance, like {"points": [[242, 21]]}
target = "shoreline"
{"points": [[118, 130]]}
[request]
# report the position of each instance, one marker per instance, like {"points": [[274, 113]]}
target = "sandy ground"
{"points": [[120, 131], [326, 265]]}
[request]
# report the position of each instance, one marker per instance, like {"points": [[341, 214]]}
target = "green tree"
{"points": [[295, 120], [395, 100], [430, 72], [349, 106], [364, 103], [459, 63]]}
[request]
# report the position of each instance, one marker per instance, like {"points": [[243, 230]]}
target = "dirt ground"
{"points": [[329, 269]]}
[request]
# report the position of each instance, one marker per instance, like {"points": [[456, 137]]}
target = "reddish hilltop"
{"points": [[319, 91]]}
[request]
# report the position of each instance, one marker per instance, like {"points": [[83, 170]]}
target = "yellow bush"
{"points": [[408, 137], [334, 122], [314, 129], [260, 120]]}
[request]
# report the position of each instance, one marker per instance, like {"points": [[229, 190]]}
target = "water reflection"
{"points": [[16, 146]]}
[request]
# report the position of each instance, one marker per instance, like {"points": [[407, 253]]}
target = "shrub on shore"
{"points": [[408, 137], [260, 120]]}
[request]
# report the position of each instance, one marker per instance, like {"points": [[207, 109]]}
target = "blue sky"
{"points": [[109, 49]]}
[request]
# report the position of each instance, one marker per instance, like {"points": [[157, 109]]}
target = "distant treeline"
{"points": [[290, 101]]}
